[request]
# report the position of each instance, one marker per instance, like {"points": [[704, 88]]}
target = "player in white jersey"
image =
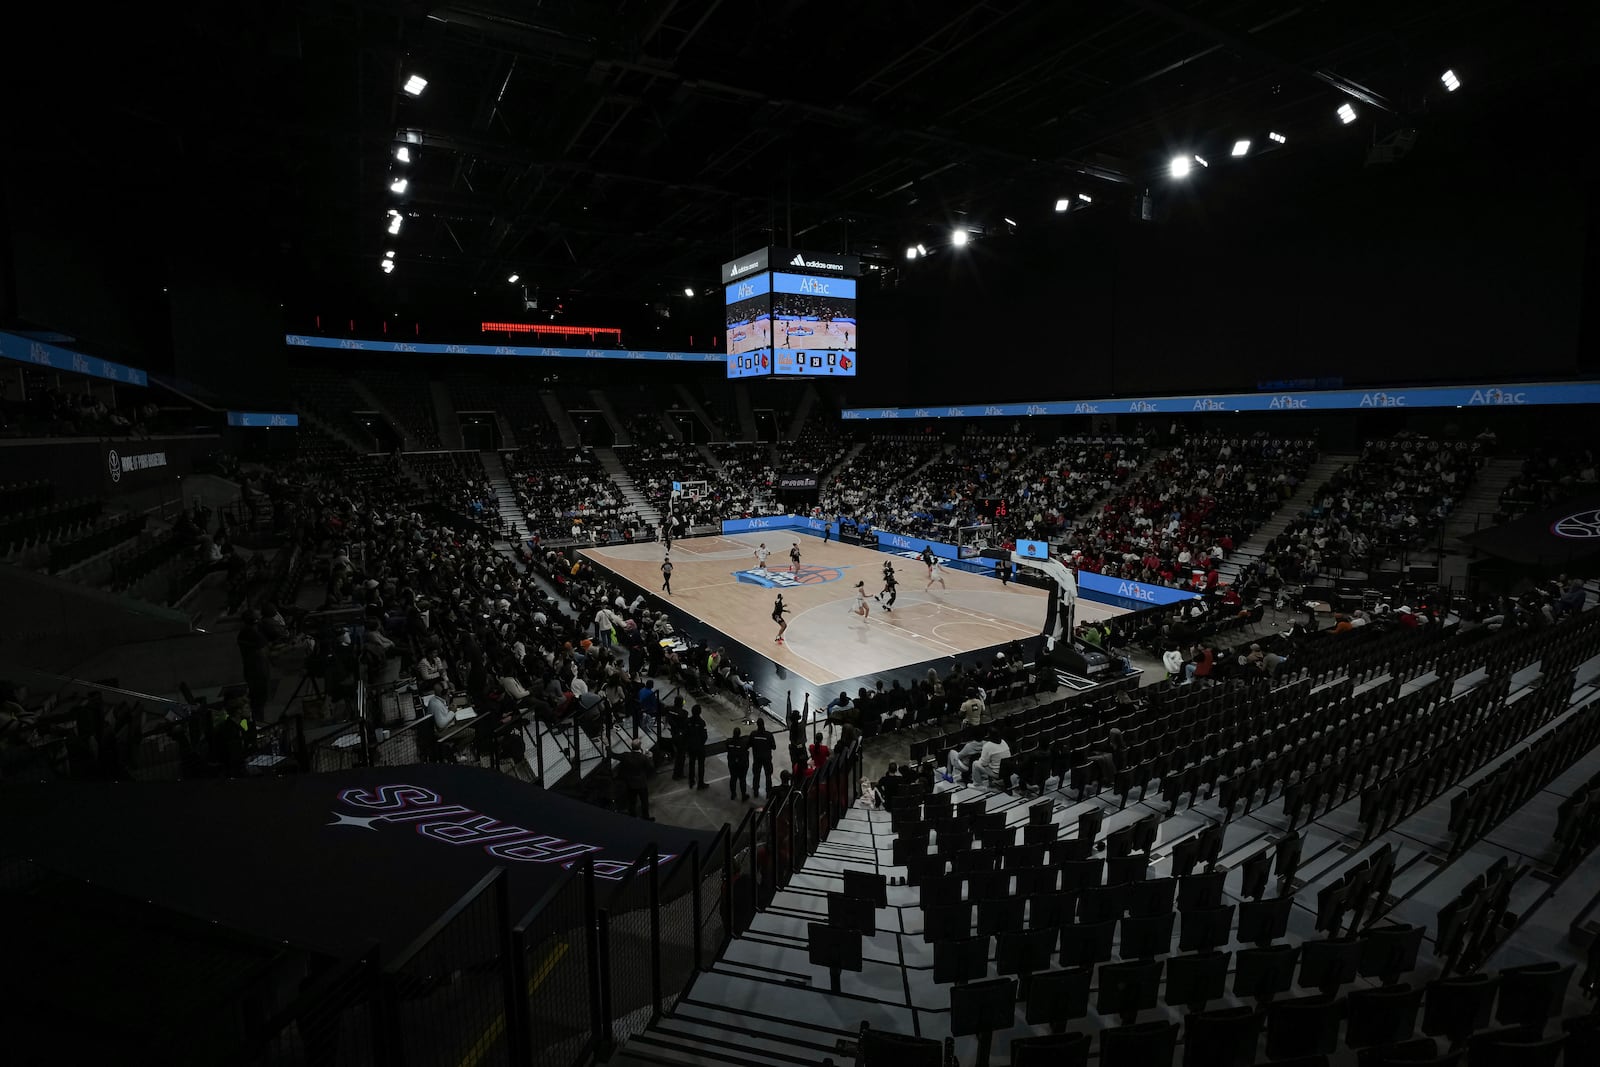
{"points": [[761, 556], [861, 601], [935, 574]]}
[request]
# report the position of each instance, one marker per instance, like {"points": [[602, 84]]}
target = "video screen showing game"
{"points": [[749, 315], [810, 313]]}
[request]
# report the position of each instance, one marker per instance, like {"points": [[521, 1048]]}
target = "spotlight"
{"points": [[1346, 113], [1202, 161], [415, 84], [688, 291], [1086, 198], [1009, 222], [1241, 147], [394, 222], [513, 279], [1062, 205], [921, 251], [1277, 137], [403, 154], [1451, 82], [911, 251], [1180, 166], [388, 266], [389, 254], [958, 237], [397, 186]]}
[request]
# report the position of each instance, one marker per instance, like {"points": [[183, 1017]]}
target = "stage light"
{"points": [[1277, 137], [394, 222], [958, 237], [513, 279], [1009, 222], [1241, 147], [1086, 198], [1062, 205], [389, 254], [415, 84], [911, 251], [1451, 82], [388, 266], [921, 250], [397, 186], [688, 291], [1202, 161], [1346, 113], [403, 154], [1180, 166]]}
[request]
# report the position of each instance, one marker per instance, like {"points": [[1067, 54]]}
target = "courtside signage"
{"points": [[1463, 396], [268, 419]]}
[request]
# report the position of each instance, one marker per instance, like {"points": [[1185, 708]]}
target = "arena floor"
{"points": [[716, 580]]}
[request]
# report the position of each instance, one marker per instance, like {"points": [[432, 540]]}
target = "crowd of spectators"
{"points": [[1549, 475], [1174, 523], [565, 494], [1398, 493], [655, 461], [50, 411]]}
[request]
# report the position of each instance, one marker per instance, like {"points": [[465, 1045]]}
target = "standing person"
{"points": [[818, 751], [634, 769], [827, 532], [738, 765], [696, 744], [935, 574], [762, 553], [666, 575], [794, 560], [648, 707], [1002, 571], [761, 748], [861, 600], [678, 727], [257, 668], [778, 611], [891, 586]]}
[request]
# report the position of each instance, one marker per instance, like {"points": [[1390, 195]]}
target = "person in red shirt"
{"points": [[819, 752]]}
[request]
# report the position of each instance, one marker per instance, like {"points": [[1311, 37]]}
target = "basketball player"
{"points": [[927, 559], [778, 610], [890, 587], [666, 575], [861, 601], [935, 574], [761, 557], [794, 560]]}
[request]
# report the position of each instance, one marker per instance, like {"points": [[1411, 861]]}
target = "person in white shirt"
{"points": [[431, 669], [986, 771], [437, 706], [960, 760]]}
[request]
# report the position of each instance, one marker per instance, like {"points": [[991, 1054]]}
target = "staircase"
{"points": [[747, 415], [505, 499], [444, 414], [619, 432], [508, 436], [624, 482], [670, 425], [322, 425], [565, 430], [694, 405], [1090, 513], [849, 457], [808, 400], [408, 443], [1482, 499], [1304, 496]]}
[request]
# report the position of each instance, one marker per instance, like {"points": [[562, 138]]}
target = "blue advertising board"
{"points": [[269, 419], [295, 340], [1128, 594], [1488, 394], [51, 357]]}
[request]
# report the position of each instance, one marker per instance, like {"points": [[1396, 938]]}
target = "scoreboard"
{"points": [[791, 314]]}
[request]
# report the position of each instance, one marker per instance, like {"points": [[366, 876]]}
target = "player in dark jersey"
{"points": [[927, 559], [794, 560], [778, 611], [891, 587]]}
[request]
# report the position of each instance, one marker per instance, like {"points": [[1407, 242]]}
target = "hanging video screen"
{"points": [[814, 325], [748, 306]]}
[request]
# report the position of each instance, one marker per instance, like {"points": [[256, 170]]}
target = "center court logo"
{"points": [[1579, 526], [784, 580]]}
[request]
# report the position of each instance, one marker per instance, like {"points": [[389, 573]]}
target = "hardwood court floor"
{"points": [[714, 579]]}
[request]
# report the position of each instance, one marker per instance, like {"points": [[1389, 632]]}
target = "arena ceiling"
{"points": [[629, 146]]}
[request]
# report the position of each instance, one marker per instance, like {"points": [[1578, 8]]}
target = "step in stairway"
{"points": [[505, 497]]}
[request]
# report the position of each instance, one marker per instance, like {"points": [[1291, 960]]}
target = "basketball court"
{"points": [[718, 581]]}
